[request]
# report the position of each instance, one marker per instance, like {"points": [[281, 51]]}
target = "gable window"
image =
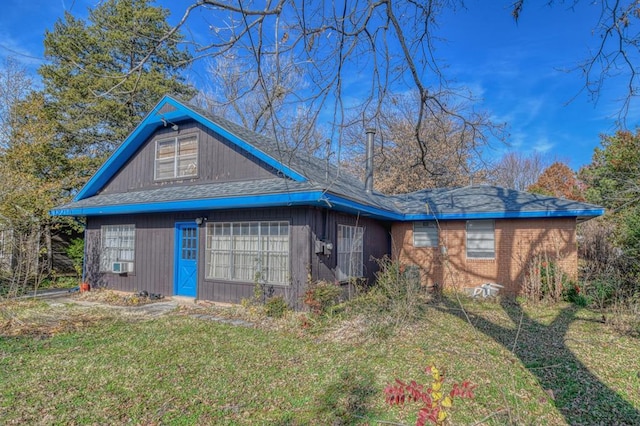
{"points": [[481, 239], [248, 252], [118, 248], [425, 234], [176, 157], [350, 252]]}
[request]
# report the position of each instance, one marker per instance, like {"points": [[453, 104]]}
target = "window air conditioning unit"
{"points": [[121, 267]]}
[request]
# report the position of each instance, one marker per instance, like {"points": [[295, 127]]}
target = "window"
{"points": [[425, 234], [118, 245], [480, 239], [350, 262], [176, 157], [248, 251]]}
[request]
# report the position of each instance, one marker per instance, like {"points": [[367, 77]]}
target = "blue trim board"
{"points": [[253, 201], [352, 206], [153, 121], [310, 198], [506, 215]]}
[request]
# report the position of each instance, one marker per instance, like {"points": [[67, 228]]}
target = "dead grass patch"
{"points": [[40, 319], [116, 298]]}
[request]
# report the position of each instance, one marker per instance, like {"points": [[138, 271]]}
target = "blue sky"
{"points": [[517, 70]]}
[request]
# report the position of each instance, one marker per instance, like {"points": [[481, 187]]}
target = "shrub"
{"points": [[435, 403], [607, 274], [322, 295], [545, 279], [276, 307], [602, 291], [397, 297], [574, 294], [75, 252]]}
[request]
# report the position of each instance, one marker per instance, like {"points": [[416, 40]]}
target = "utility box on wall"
{"points": [[324, 247]]}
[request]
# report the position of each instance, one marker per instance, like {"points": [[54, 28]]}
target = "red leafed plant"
{"points": [[435, 404]]}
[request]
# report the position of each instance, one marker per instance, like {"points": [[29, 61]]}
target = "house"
{"points": [[480, 234], [191, 204]]}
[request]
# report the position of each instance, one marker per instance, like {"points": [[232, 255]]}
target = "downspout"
{"points": [[368, 181]]}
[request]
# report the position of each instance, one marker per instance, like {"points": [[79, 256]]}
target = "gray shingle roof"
{"points": [[193, 192], [485, 199], [328, 180], [323, 175]]}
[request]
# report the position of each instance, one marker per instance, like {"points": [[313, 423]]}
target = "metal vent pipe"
{"points": [[368, 180]]}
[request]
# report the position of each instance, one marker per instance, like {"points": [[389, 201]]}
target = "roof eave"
{"points": [[251, 201], [583, 214], [306, 198]]}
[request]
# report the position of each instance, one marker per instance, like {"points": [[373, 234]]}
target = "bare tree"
{"points": [[399, 164], [352, 57], [232, 95], [617, 52], [517, 171], [14, 87]]}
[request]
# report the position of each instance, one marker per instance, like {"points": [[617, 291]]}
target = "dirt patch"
{"points": [[118, 298]]}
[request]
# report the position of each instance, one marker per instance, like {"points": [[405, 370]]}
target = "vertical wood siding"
{"points": [[299, 249], [153, 254], [155, 245], [218, 161], [154, 251], [376, 242]]}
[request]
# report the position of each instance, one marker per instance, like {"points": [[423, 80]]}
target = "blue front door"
{"points": [[186, 273]]}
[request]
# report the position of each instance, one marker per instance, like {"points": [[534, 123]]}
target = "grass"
{"points": [[532, 365]]}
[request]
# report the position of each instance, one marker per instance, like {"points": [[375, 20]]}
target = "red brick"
{"points": [[517, 243]]}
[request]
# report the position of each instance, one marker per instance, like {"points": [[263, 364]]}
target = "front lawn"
{"points": [[531, 365]]}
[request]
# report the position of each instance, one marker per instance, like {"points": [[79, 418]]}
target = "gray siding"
{"points": [[218, 161], [299, 256], [154, 251], [376, 242], [153, 254]]}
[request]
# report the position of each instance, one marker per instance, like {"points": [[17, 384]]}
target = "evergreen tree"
{"points": [[613, 180], [103, 75]]}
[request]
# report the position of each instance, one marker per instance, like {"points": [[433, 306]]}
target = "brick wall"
{"points": [[517, 243]]}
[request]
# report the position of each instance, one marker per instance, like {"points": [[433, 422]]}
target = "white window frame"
{"points": [[481, 239], [248, 252], [117, 244], [175, 159], [350, 252], [425, 234]]}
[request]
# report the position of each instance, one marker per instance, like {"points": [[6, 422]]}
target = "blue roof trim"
{"points": [[343, 204], [311, 198], [506, 215], [153, 121], [351, 206], [268, 200]]}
